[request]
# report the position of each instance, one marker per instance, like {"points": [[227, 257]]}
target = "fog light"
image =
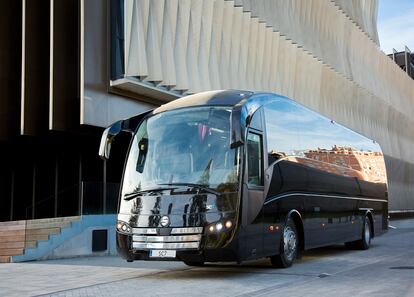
{"points": [[219, 226], [211, 228], [228, 224], [123, 227]]}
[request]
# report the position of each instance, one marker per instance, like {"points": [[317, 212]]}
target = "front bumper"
{"points": [[190, 244]]}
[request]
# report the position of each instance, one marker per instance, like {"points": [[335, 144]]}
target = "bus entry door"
{"points": [[251, 236]]}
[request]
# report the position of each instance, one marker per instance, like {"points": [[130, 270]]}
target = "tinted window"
{"points": [[325, 141], [256, 121], [254, 159], [281, 130], [318, 142]]}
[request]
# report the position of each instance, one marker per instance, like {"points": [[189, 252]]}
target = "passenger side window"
{"points": [[254, 159], [282, 133]]}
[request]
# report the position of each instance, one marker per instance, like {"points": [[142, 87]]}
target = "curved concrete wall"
{"points": [[307, 50], [363, 13]]}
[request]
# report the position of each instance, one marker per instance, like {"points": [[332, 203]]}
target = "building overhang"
{"points": [[134, 88]]}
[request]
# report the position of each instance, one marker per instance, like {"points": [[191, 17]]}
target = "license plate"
{"points": [[162, 253]]}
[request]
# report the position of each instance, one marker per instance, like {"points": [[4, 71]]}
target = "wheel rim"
{"points": [[367, 233], [289, 242]]}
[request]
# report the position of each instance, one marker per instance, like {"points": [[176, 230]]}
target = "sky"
{"points": [[396, 25]]}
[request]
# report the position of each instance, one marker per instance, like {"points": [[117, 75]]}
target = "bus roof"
{"points": [[221, 97]]}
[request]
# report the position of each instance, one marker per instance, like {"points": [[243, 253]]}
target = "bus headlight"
{"points": [[123, 227], [219, 226]]}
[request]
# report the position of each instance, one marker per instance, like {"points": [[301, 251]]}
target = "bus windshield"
{"points": [[185, 147]]}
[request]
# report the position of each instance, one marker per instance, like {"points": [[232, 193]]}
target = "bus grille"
{"points": [[179, 238]]}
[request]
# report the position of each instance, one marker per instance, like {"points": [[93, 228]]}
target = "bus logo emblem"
{"points": [[164, 221]]}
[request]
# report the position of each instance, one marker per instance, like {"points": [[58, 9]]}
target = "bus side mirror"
{"points": [[107, 138], [109, 134]]}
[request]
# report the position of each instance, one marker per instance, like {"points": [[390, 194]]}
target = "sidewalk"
{"points": [[387, 269]]}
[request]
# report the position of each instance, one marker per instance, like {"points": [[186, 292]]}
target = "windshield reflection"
{"points": [[186, 147]]}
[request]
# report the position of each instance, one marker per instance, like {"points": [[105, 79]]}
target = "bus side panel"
{"points": [[275, 213], [328, 219], [325, 219], [272, 216], [286, 180], [331, 166]]}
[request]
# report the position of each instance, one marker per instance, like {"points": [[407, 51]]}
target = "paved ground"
{"points": [[387, 269]]}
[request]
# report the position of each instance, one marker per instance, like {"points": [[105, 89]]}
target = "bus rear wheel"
{"points": [[289, 244], [366, 236], [365, 241]]}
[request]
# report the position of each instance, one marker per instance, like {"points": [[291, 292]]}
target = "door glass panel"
{"points": [[254, 159]]}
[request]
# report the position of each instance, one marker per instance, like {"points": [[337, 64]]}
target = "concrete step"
{"points": [[11, 252], [46, 248], [31, 244], [12, 245], [34, 237], [12, 223], [12, 232], [42, 231], [12, 238], [12, 227], [38, 225], [5, 259]]}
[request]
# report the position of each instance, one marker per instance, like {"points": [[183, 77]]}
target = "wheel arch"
{"points": [[297, 219], [369, 213]]}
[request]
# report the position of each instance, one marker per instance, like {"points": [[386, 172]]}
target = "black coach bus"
{"points": [[239, 175]]}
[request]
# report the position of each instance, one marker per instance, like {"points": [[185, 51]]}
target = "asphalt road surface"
{"points": [[386, 269]]}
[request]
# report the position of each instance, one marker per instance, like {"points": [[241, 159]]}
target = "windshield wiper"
{"points": [[133, 195], [197, 186]]}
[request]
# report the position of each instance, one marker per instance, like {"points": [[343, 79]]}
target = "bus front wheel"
{"points": [[289, 244]]}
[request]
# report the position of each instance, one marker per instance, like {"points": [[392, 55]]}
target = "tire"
{"points": [[366, 236], [289, 245], [194, 263]]}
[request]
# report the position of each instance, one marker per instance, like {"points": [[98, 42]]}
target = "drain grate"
{"points": [[403, 267]]}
